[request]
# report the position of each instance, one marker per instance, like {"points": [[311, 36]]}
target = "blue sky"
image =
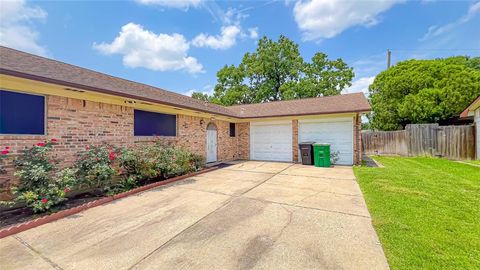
{"points": [[180, 45]]}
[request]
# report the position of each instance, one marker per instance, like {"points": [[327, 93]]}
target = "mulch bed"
{"points": [[9, 217]]}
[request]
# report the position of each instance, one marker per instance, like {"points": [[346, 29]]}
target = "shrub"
{"points": [[158, 162], [139, 163], [41, 185], [95, 167], [173, 161], [334, 157]]}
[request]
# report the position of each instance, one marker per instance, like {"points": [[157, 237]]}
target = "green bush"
{"points": [[158, 161], [139, 163], [41, 185], [95, 167]]}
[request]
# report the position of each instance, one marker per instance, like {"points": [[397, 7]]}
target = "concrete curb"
{"points": [[17, 228]]}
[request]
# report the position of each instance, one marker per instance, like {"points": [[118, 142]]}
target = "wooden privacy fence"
{"points": [[454, 142]]}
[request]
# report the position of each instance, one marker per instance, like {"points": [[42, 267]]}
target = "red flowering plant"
{"points": [[96, 167], [3, 156], [42, 185]]}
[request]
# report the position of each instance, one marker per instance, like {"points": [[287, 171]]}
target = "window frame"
{"points": [[45, 113], [234, 130], [149, 136]]}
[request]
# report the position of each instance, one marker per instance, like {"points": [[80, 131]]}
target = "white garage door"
{"points": [[271, 141], [338, 132]]}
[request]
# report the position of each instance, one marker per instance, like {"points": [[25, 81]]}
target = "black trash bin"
{"points": [[306, 152]]}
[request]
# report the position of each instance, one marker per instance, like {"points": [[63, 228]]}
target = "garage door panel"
{"points": [[339, 134], [271, 141]]}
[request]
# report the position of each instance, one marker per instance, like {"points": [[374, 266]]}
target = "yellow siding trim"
{"points": [[13, 83], [297, 117]]}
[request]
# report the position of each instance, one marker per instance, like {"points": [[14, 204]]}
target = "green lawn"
{"points": [[426, 211], [476, 162]]}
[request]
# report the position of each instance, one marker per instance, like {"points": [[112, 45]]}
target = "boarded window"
{"points": [[154, 124], [232, 129], [21, 113]]}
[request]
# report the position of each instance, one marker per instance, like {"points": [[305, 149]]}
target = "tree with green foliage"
{"points": [[201, 96], [423, 91], [277, 71]]}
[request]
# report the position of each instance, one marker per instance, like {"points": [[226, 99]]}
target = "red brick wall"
{"points": [[243, 133], [78, 123], [295, 140], [357, 140]]}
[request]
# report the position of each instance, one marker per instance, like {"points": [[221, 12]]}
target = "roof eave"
{"points": [[303, 114], [103, 91]]}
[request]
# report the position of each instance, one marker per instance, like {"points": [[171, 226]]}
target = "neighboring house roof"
{"points": [[25, 65], [324, 105], [472, 107]]}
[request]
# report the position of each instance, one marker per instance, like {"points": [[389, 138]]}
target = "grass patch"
{"points": [[426, 211], [476, 162]]}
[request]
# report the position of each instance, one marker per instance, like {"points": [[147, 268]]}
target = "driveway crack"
{"points": [[265, 180], [179, 233], [46, 259]]}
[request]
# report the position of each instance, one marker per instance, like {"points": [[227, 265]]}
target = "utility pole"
{"points": [[389, 56]]}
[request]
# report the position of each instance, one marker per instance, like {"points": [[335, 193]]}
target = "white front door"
{"points": [[271, 141], [211, 145], [338, 132]]}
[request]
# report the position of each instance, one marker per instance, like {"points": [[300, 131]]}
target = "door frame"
{"points": [[211, 127]]}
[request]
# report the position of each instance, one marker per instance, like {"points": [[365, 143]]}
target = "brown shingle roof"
{"points": [[25, 65], [324, 105], [17, 63]]}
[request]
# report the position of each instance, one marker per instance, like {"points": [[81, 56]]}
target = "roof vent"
{"points": [[74, 90]]}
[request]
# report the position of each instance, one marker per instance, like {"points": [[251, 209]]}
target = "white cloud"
{"points": [[229, 32], [435, 30], [360, 85], [16, 26], [225, 40], [181, 4], [319, 19], [143, 48], [253, 32], [207, 89]]}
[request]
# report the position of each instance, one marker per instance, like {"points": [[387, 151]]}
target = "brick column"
{"points": [[295, 140], [357, 140], [243, 140]]}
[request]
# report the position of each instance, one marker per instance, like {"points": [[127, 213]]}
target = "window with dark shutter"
{"points": [[154, 124], [232, 129], [21, 113]]}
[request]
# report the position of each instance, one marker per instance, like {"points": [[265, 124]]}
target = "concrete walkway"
{"points": [[252, 215]]}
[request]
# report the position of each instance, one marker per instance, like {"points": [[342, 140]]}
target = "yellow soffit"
{"points": [[298, 117], [14, 83], [8, 82]]}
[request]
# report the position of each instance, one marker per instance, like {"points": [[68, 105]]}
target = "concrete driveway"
{"points": [[252, 215]]}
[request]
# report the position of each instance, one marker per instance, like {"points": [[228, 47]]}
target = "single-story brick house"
{"points": [[42, 99], [474, 110]]}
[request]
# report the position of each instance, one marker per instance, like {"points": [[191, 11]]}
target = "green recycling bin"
{"points": [[321, 154]]}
